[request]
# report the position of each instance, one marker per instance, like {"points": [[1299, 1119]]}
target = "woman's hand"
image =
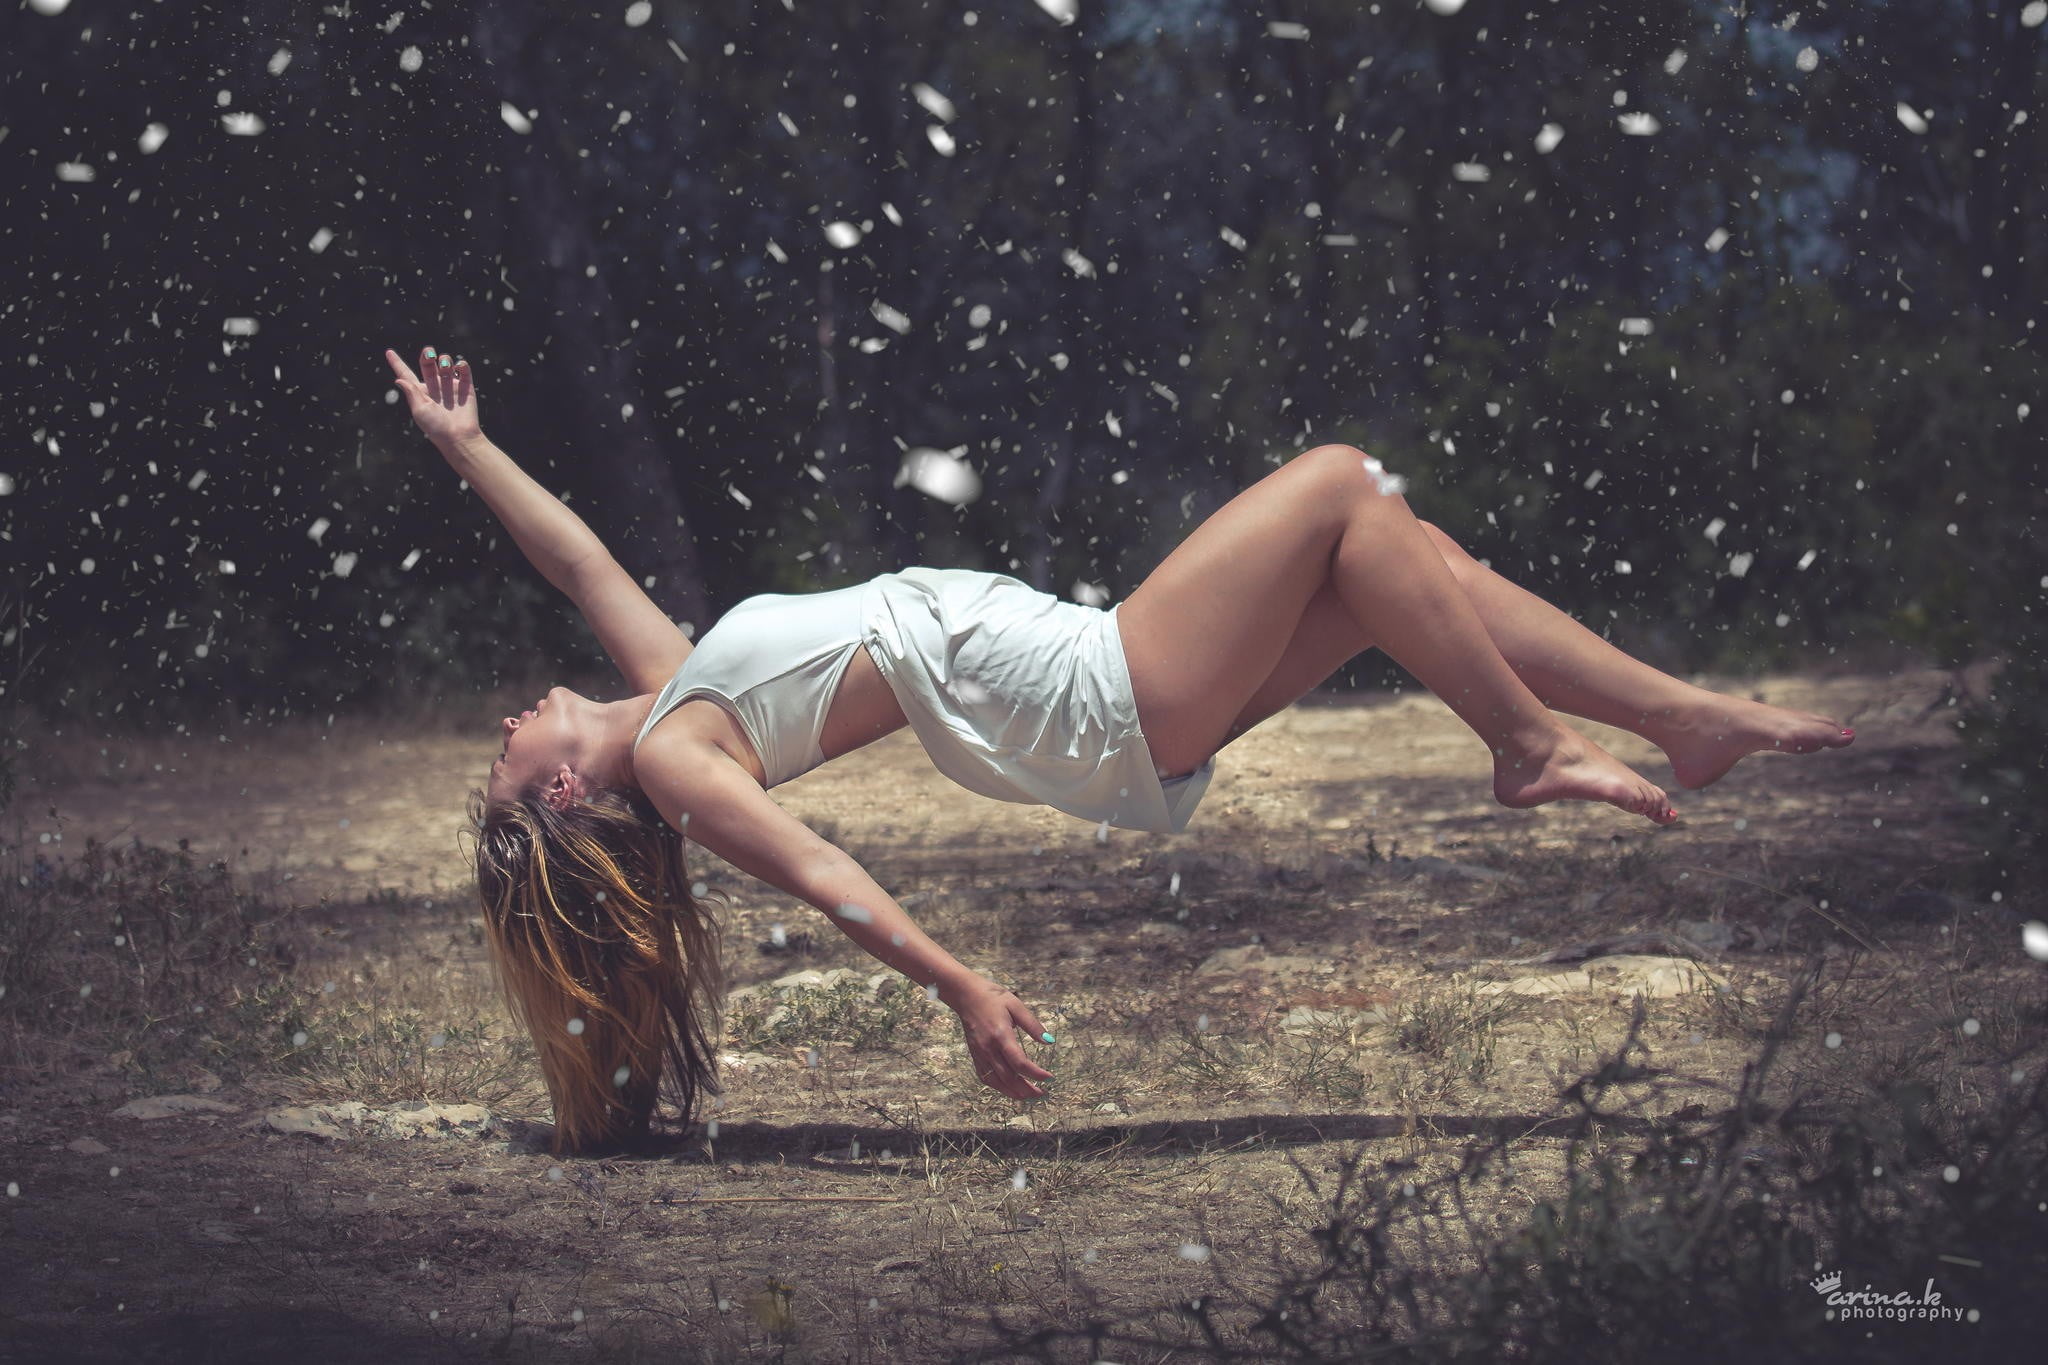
{"points": [[444, 403], [991, 1017]]}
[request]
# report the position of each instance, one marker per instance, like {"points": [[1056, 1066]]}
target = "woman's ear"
{"points": [[565, 789]]}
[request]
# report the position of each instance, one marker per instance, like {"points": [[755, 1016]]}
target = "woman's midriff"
{"points": [[863, 710]]}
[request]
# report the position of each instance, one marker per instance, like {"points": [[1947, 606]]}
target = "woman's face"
{"points": [[539, 743]]}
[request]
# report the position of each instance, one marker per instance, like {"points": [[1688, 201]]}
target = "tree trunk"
{"points": [[642, 518]]}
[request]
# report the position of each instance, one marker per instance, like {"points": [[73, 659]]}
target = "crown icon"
{"points": [[1828, 1283]]}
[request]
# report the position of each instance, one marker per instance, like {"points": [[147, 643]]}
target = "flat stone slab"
{"points": [[170, 1106]]}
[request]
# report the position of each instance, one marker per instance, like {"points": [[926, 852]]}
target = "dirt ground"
{"points": [[1229, 1005]]}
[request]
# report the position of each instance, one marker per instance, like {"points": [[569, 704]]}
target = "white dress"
{"points": [[1014, 693]]}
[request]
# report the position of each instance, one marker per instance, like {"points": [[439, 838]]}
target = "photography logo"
{"points": [[1870, 1305]]}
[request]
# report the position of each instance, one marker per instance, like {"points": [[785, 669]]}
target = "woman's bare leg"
{"points": [[1703, 733], [1202, 632]]}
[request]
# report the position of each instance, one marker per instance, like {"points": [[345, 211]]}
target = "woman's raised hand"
{"points": [[991, 1016], [444, 401]]}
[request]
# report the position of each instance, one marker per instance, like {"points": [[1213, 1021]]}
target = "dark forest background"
{"points": [[1719, 325]]}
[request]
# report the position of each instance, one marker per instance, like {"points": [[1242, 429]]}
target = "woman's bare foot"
{"points": [[1719, 732], [1570, 767]]}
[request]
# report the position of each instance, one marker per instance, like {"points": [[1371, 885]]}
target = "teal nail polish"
{"points": [[1045, 1037], [430, 353], [444, 362]]}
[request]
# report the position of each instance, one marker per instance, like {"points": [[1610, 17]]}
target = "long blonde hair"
{"points": [[604, 956]]}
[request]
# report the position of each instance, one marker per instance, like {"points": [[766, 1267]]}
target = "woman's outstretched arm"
{"points": [[444, 406], [638, 635]]}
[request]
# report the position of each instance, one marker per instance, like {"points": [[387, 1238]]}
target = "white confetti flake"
{"points": [[1738, 565], [1102, 832], [2034, 14], [1444, 7], [1280, 28], [778, 936], [1951, 1174], [621, 1076], [1471, 172], [940, 474], [76, 173], [227, 566], [788, 123], [1637, 327], [1623, 566], [941, 140], [858, 914], [1195, 1251], [1714, 530], [842, 235], [516, 121], [1548, 136], [13, 1190], [1066, 11], [699, 889], [1971, 1028], [2034, 938], [240, 327], [410, 560], [1019, 1179], [741, 498], [1807, 558], [1390, 485], [935, 104], [279, 60], [344, 564], [1089, 594], [1116, 428], [638, 13], [299, 1038], [242, 125], [1913, 119], [320, 241], [1076, 262], [87, 565], [575, 1028], [410, 59], [889, 317], [1717, 239], [1807, 60], [49, 7], [1173, 885], [1675, 63], [1640, 125], [1233, 237], [1833, 1040], [152, 138]]}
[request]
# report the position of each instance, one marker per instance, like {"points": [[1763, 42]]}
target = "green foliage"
{"points": [[846, 1011]]}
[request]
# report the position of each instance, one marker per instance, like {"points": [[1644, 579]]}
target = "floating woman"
{"points": [[610, 962]]}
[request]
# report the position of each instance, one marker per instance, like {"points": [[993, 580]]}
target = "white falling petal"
{"points": [[1640, 125], [889, 212], [344, 564], [1076, 262], [1593, 479], [76, 173], [576, 1028], [1738, 565], [1714, 530], [239, 327], [1280, 28], [1444, 7], [410, 59], [1389, 484], [778, 936], [1807, 558], [1116, 428], [889, 317], [1807, 60], [859, 914], [1548, 136], [941, 140], [2034, 14], [516, 121], [1234, 238], [242, 125], [1066, 11], [410, 560], [741, 498], [1090, 594], [1675, 63], [935, 104], [320, 241], [781, 257], [940, 474], [279, 60], [2034, 938], [1913, 119], [1019, 1179], [50, 7], [1637, 327], [788, 123], [1195, 1251], [152, 138], [1623, 566], [1471, 172], [1717, 239], [638, 13], [317, 529], [842, 234], [979, 315]]}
